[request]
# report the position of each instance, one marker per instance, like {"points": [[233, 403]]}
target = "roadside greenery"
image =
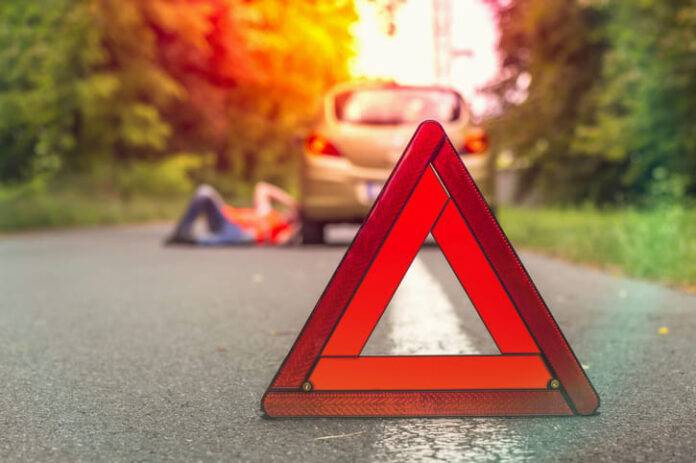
{"points": [[92, 83], [656, 244], [598, 98], [71, 208], [133, 191]]}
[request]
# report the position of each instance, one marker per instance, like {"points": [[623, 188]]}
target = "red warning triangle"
{"points": [[536, 373]]}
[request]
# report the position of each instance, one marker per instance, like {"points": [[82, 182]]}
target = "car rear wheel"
{"points": [[312, 231]]}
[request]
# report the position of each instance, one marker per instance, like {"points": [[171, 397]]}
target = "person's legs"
{"points": [[205, 201], [208, 202], [229, 234]]}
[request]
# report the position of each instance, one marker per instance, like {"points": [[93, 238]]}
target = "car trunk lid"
{"points": [[372, 145]]}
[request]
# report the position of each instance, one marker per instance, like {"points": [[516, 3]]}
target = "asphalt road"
{"points": [[115, 348]]}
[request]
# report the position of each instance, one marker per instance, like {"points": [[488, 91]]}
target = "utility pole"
{"points": [[442, 17], [444, 52]]}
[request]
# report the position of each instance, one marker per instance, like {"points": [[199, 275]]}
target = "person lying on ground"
{"points": [[229, 225]]}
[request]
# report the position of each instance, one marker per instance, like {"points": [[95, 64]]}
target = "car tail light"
{"points": [[475, 141], [319, 145]]}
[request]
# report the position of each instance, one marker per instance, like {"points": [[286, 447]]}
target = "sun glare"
{"points": [[409, 55]]}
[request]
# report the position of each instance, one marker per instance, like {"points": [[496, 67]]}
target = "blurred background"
{"points": [[111, 111]]}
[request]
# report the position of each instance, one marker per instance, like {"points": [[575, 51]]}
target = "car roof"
{"points": [[360, 85]]}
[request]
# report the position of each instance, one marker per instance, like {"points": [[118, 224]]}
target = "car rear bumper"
{"points": [[335, 190]]}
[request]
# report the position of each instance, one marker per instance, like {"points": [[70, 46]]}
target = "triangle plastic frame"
{"points": [[430, 190]]}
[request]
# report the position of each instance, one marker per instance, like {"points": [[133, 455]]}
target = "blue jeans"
{"points": [[206, 201]]}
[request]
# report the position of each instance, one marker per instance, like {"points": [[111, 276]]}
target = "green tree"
{"points": [[610, 109], [646, 103], [84, 82], [254, 74], [44, 61], [551, 54], [239, 79]]}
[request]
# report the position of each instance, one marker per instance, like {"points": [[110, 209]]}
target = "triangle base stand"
{"points": [[415, 403]]}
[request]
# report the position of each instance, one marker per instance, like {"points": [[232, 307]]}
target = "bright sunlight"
{"points": [[409, 55]]}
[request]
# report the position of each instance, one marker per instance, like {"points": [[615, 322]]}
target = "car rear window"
{"points": [[397, 106]]}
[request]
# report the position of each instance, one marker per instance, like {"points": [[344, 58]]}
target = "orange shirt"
{"points": [[267, 228]]}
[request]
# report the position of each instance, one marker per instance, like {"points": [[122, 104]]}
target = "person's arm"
{"points": [[265, 193]]}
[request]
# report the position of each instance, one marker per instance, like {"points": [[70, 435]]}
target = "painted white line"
{"points": [[423, 321]]}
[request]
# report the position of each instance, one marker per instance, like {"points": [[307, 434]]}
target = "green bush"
{"points": [[134, 192], [171, 176]]}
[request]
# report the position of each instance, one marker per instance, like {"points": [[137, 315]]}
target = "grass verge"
{"points": [[137, 191], [71, 209], [659, 244]]}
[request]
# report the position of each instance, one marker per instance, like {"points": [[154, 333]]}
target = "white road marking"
{"points": [[423, 321]]}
